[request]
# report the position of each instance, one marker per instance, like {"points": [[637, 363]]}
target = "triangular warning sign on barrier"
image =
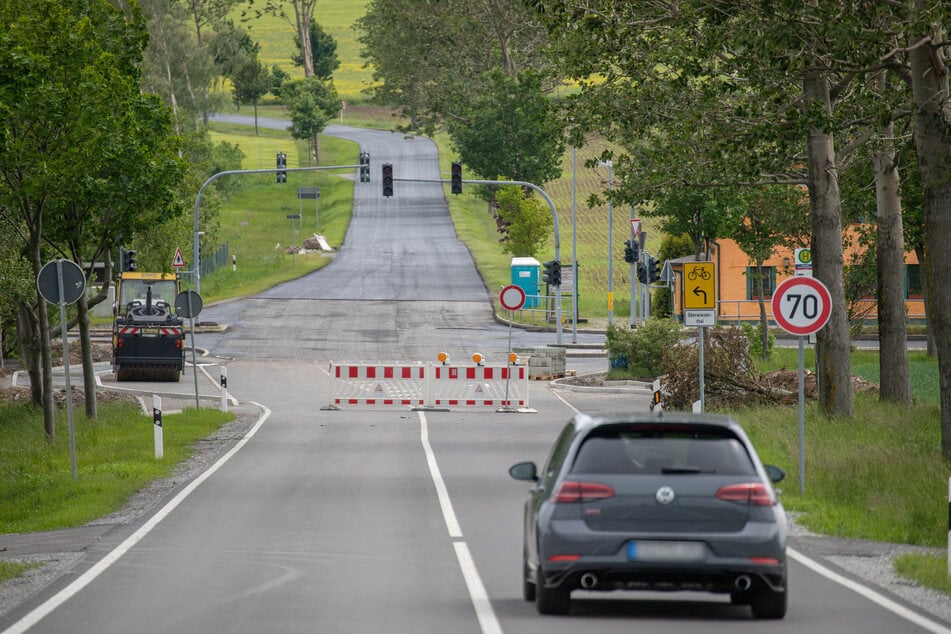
{"points": [[478, 389], [379, 389]]}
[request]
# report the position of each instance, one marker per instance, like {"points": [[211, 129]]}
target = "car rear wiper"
{"points": [[685, 470]]}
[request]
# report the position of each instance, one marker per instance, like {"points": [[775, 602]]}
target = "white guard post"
{"points": [[223, 381], [157, 426]]}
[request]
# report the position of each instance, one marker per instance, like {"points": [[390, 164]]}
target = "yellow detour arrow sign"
{"points": [[699, 286]]}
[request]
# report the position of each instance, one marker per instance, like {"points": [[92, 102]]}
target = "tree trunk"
{"points": [[895, 383], [763, 320], [49, 411], [28, 344], [833, 363], [929, 336], [929, 78], [89, 371]]}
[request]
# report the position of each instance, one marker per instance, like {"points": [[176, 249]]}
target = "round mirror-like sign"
{"points": [[73, 281], [188, 304]]}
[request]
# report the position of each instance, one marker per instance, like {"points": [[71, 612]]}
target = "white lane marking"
{"points": [[562, 399], [99, 567], [480, 598], [441, 493], [868, 593], [488, 622]]}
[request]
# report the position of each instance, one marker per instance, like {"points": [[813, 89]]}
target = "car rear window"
{"points": [[632, 450]]}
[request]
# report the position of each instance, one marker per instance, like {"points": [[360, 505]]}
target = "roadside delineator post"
{"points": [[224, 388], [157, 426]]}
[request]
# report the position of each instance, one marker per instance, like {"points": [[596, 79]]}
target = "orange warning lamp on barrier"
{"points": [[443, 358], [478, 359], [513, 358]]}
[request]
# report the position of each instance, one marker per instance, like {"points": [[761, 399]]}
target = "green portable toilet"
{"points": [[526, 274]]}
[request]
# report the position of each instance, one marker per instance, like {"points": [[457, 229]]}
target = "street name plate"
{"points": [[700, 318]]}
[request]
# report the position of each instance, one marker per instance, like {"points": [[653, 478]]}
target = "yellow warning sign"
{"points": [[699, 286]]}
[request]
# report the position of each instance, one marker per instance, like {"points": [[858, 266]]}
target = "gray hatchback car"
{"points": [[667, 501]]}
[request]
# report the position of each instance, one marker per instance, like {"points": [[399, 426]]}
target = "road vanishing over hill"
{"points": [[380, 519]]}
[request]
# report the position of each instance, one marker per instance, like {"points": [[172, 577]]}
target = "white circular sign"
{"points": [[801, 305], [512, 297]]}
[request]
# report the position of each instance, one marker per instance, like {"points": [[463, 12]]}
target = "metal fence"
{"points": [[211, 262]]}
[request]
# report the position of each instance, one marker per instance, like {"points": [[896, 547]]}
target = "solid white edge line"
{"points": [[868, 593], [442, 494], [480, 598], [99, 567], [488, 622]]}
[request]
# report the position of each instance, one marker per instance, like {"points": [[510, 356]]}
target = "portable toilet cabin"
{"points": [[526, 274]]}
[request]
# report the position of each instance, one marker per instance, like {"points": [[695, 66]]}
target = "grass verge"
{"points": [[115, 457]]}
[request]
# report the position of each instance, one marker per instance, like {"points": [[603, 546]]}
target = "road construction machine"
{"points": [[148, 338]]}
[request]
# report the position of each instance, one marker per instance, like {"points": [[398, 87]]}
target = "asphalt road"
{"points": [[368, 519]]}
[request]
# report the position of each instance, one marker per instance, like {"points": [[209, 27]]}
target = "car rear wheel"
{"points": [[528, 586], [768, 604], [551, 600]]}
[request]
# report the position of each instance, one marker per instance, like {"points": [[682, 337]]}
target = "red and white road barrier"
{"points": [[429, 385]]}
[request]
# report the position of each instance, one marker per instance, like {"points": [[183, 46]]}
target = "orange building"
{"points": [[737, 298]]}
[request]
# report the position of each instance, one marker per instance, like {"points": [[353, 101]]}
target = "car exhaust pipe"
{"points": [[589, 580], [743, 583]]}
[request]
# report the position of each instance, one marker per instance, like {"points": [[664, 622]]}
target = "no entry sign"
{"points": [[801, 305]]}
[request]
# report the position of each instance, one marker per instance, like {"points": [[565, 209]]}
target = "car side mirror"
{"points": [[775, 473], [524, 471]]}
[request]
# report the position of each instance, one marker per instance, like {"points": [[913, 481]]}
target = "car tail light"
{"points": [[571, 491], [752, 493]]}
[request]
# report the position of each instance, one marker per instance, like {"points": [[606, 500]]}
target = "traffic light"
{"points": [[556, 273], [457, 178], [128, 260], [653, 269], [387, 179], [364, 167], [281, 167], [629, 251], [641, 273], [548, 274]]}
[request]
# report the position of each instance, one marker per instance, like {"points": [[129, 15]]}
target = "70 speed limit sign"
{"points": [[801, 305]]}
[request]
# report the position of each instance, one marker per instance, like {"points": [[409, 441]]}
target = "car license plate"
{"points": [[665, 551], [150, 332]]}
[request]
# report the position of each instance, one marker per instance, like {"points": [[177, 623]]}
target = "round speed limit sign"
{"points": [[801, 305]]}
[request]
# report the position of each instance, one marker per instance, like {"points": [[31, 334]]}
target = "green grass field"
{"points": [[336, 17]]}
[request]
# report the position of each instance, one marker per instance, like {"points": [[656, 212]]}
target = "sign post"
{"points": [[699, 304], [512, 298], [189, 304], [63, 282], [801, 306]]}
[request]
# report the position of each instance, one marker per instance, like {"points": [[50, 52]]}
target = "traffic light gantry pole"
{"points": [[280, 170], [456, 182]]}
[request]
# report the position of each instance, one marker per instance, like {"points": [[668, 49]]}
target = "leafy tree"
{"points": [[85, 158], [525, 222], [311, 103], [323, 51], [302, 13], [511, 129], [429, 57], [251, 80]]}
